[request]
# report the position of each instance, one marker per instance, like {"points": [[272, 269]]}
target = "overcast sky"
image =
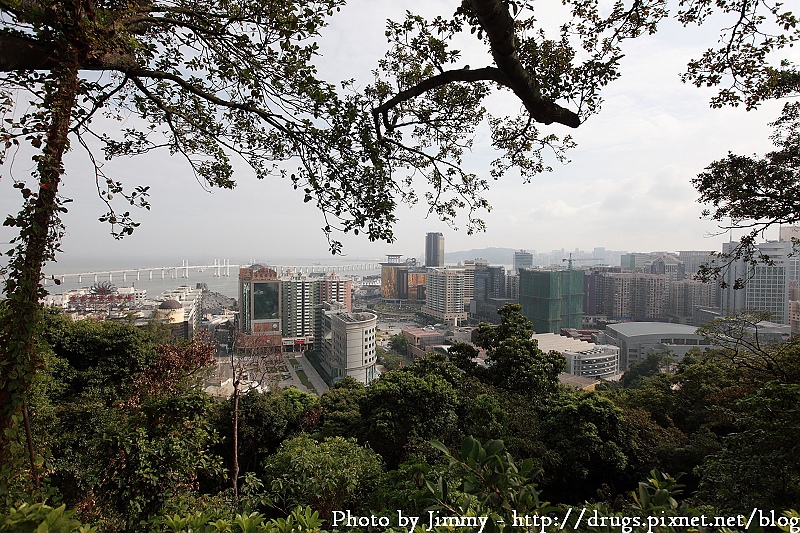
{"points": [[627, 187]]}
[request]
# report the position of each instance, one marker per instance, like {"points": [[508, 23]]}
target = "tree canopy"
{"points": [[213, 80]]}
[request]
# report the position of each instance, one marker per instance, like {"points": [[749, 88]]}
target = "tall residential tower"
{"points": [[434, 250]]}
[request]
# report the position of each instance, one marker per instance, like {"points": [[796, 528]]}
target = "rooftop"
{"points": [[552, 341], [632, 329]]}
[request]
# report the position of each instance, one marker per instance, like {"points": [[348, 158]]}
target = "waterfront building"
{"points": [[259, 300]]}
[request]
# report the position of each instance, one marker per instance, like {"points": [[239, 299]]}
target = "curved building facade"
{"points": [[346, 343]]}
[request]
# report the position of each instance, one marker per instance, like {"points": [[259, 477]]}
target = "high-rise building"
{"points": [[394, 279], [445, 295], [766, 285], [259, 300], [416, 284], [788, 232], [471, 266], [512, 286], [552, 299], [522, 259], [298, 299], [489, 282], [300, 294], [346, 343], [673, 269], [594, 283], [694, 259], [434, 250], [638, 261], [633, 296], [687, 294], [333, 288], [489, 293]]}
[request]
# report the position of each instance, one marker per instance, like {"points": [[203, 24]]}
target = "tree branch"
{"points": [[496, 21], [450, 76], [18, 52], [22, 53]]}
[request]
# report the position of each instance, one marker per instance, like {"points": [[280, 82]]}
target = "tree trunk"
{"points": [[21, 324], [235, 466]]}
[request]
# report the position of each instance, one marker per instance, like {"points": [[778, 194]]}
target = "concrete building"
{"points": [[584, 359], [704, 315], [489, 293], [471, 267], [694, 259], [631, 296], [445, 289], [512, 286], [766, 286], [673, 270], [522, 259], [434, 250], [489, 282], [637, 261], [101, 301], [636, 340], [600, 362], [552, 299], [333, 288], [259, 300], [300, 294], [184, 320], [687, 294], [794, 316], [346, 343], [594, 287], [787, 233], [419, 339], [299, 297]]}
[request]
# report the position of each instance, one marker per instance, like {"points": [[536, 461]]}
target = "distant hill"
{"points": [[495, 256]]}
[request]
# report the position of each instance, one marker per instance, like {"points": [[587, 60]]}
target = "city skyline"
{"points": [[627, 187]]}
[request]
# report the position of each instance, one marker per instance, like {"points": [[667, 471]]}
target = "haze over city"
{"points": [[627, 187]]}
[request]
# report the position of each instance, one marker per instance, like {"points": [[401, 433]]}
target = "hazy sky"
{"points": [[627, 187]]}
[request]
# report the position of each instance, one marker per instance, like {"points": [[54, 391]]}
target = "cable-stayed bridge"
{"points": [[220, 268]]}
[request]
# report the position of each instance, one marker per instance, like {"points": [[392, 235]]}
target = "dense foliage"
{"points": [[429, 436]]}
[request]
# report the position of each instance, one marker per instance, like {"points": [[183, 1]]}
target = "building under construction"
{"points": [[552, 299]]}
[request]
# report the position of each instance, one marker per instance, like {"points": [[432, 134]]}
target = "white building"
{"points": [[182, 309], [346, 343], [584, 359], [766, 286], [298, 299], [445, 289], [636, 340], [522, 259]]}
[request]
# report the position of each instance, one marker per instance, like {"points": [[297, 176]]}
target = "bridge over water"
{"points": [[220, 268]]}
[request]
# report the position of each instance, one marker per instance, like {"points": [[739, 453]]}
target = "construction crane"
{"points": [[571, 260]]}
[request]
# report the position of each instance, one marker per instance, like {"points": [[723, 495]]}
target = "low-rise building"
{"points": [[419, 339], [584, 359], [636, 340]]}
